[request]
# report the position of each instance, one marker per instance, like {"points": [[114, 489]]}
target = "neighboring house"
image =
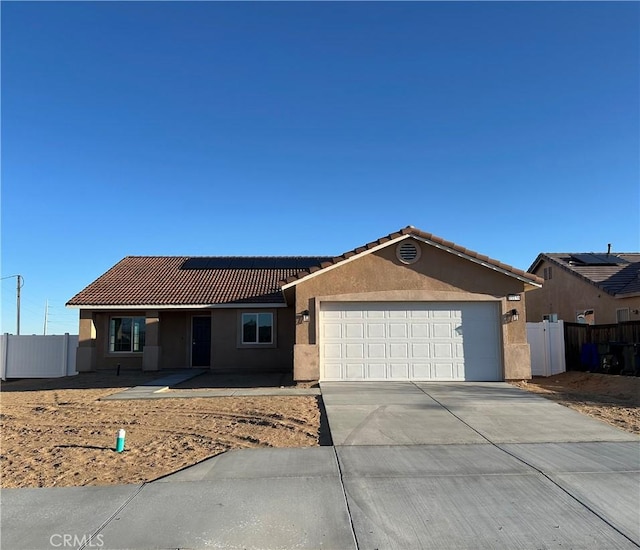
{"points": [[408, 306], [592, 288]]}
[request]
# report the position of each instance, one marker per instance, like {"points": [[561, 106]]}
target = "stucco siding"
{"points": [[566, 294], [437, 276], [175, 339], [229, 353]]}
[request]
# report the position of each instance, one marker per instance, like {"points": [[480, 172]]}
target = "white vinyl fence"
{"points": [[546, 341], [37, 356]]}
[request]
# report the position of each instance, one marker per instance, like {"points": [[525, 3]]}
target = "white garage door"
{"points": [[410, 341]]}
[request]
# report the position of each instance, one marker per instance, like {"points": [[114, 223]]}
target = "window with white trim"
{"points": [[127, 334], [622, 315], [257, 328]]}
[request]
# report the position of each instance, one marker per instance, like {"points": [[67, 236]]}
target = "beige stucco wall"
{"points": [[102, 358], [175, 336], [565, 294], [436, 276], [168, 341], [228, 352]]}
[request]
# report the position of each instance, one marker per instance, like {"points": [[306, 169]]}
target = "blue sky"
{"points": [[212, 128]]}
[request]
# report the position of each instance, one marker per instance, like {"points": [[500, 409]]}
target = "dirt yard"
{"points": [[612, 399], [57, 433]]}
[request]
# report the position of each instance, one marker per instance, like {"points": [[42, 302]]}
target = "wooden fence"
{"points": [[576, 334]]}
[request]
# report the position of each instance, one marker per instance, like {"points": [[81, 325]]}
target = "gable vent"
{"points": [[408, 252]]}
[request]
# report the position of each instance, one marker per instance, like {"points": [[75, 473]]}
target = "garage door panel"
{"points": [[399, 371], [410, 341], [419, 331], [444, 371], [375, 314], [421, 371], [443, 351], [376, 330], [397, 313], [354, 351], [353, 314], [398, 350], [376, 351], [333, 371], [332, 351], [332, 330], [420, 350], [443, 312], [354, 330], [377, 371], [398, 330], [441, 330], [354, 371]]}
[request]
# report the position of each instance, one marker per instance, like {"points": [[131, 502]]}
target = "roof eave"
{"points": [[626, 295], [533, 281], [230, 305]]}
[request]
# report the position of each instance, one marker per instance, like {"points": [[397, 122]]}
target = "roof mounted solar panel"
{"points": [[194, 263], [253, 262], [597, 259]]}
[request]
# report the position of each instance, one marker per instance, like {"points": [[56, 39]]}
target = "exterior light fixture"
{"points": [[514, 315], [304, 315]]}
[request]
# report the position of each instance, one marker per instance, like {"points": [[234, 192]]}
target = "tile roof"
{"points": [[183, 280], [621, 277], [413, 231], [207, 280]]}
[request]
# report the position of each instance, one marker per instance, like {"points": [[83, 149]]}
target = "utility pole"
{"points": [[19, 285], [20, 282], [46, 312]]}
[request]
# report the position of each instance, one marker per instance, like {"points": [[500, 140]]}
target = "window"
{"points": [[547, 274], [257, 328], [126, 334], [622, 315], [551, 317]]}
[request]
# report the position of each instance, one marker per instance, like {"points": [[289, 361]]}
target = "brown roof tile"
{"points": [[409, 230], [207, 280], [182, 280], [620, 278]]}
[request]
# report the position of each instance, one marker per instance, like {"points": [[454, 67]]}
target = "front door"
{"points": [[201, 342]]}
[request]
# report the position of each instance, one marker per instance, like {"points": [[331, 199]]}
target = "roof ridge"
{"points": [[300, 256], [414, 231]]}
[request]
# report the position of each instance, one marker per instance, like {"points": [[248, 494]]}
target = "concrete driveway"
{"points": [[480, 465], [414, 466], [422, 413]]}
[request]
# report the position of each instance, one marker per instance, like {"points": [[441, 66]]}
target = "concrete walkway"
{"points": [[507, 478], [161, 389]]}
